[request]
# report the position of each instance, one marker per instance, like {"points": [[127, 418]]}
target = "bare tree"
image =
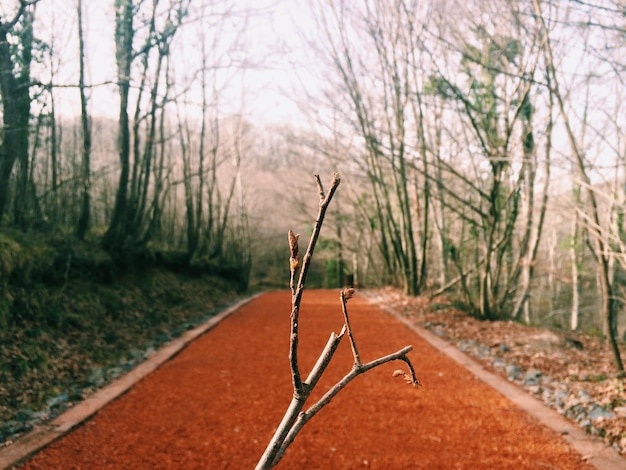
{"points": [[602, 250], [125, 54], [377, 90], [129, 219], [493, 93]]}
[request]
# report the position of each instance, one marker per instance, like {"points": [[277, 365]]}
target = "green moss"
{"points": [[595, 378], [10, 252]]}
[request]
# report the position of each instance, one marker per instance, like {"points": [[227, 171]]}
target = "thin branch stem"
{"points": [[345, 296], [324, 359], [304, 417], [271, 456]]}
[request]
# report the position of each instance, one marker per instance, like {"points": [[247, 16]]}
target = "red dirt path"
{"points": [[216, 404]]}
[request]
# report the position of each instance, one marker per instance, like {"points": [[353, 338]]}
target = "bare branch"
{"points": [[346, 295], [5, 27], [304, 417], [294, 418]]}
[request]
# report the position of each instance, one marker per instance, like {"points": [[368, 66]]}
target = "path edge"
{"points": [[593, 450], [45, 434]]}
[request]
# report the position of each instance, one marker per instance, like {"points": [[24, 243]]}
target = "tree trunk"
{"points": [[15, 91], [573, 252], [84, 218], [117, 231]]}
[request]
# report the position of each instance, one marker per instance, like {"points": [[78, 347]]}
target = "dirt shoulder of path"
{"points": [[571, 373]]}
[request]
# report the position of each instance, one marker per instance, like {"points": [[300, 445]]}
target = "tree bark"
{"points": [[15, 91], [114, 238], [84, 218]]}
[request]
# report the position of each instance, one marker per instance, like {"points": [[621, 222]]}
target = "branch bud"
{"points": [[407, 378], [294, 261], [293, 244], [347, 293]]}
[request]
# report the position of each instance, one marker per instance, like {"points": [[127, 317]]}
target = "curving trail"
{"points": [[216, 404]]}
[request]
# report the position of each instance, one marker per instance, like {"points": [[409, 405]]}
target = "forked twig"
{"points": [[294, 418]]}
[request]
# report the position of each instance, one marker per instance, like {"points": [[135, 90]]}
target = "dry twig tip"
{"points": [[347, 293], [293, 243], [407, 378]]}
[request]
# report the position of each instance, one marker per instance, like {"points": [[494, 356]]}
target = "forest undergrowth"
{"points": [[571, 372], [72, 319]]}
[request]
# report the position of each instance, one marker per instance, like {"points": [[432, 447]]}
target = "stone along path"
{"points": [[216, 404]]}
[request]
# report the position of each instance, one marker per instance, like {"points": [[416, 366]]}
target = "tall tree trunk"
{"points": [[534, 225], [573, 255], [117, 231], [15, 91], [23, 211], [55, 137], [190, 213], [84, 218]]}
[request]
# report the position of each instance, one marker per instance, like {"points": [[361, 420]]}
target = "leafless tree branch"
{"points": [[294, 418]]}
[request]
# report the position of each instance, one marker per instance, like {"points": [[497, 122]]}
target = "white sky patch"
{"points": [[261, 64]]}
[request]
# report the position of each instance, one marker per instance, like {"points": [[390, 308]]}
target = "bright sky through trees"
{"points": [[259, 49]]}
